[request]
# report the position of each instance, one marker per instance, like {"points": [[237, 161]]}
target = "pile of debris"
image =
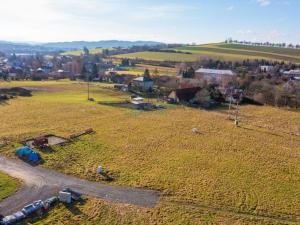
{"points": [[45, 141], [87, 131], [39, 208], [140, 104]]}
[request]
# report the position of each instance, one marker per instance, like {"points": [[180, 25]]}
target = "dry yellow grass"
{"points": [[228, 175]]}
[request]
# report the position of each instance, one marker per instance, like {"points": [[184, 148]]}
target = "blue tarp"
{"points": [[34, 157], [27, 152], [24, 151]]}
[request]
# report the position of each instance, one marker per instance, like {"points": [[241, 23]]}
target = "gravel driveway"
{"points": [[40, 183]]}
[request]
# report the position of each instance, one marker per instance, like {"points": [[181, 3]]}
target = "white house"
{"points": [[143, 83], [266, 69]]}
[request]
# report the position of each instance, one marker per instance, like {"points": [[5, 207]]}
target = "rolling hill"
{"points": [[14, 47], [220, 51]]}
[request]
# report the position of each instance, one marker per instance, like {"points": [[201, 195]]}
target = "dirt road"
{"points": [[40, 183]]}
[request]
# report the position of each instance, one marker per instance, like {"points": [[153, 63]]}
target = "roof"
{"points": [[292, 72], [138, 99], [143, 79], [214, 71]]}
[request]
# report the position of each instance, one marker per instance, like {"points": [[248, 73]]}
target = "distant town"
{"points": [[204, 81]]}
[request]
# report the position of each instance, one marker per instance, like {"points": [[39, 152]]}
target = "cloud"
{"points": [[245, 32], [230, 8], [264, 2], [272, 35]]}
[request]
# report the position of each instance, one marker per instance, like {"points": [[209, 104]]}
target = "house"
{"points": [[143, 83], [214, 75], [266, 69], [12, 76], [292, 74]]}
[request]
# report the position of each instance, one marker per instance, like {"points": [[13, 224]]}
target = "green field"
{"points": [[8, 185], [228, 52], [224, 175], [160, 56], [139, 69], [93, 51]]}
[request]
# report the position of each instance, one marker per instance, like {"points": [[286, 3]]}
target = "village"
{"points": [[203, 82]]}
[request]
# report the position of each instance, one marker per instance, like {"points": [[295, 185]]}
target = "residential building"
{"points": [[266, 69], [143, 83]]}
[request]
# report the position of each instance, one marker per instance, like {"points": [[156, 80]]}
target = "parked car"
{"points": [[35, 206], [14, 218], [51, 202], [75, 195]]}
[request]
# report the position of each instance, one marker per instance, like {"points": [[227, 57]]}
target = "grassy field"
{"points": [[139, 69], [224, 175], [93, 51], [8, 186], [221, 52], [160, 56]]}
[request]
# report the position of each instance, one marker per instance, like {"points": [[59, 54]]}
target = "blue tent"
{"points": [[34, 157], [24, 151], [28, 153]]}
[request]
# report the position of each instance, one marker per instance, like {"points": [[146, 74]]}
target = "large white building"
{"points": [[213, 75]]}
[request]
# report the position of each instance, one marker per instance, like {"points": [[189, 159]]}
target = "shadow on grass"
{"points": [[47, 149], [33, 164], [282, 135], [107, 177], [3, 102], [128, 105], [73, 208], [125, 105]]}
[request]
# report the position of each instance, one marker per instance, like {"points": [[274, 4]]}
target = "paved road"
{"points": [[40, 183]]}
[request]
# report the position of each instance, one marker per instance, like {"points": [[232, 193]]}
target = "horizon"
{"points": [[196, 21]]}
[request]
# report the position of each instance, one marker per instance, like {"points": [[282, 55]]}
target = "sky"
{"points": [[176, 21]]}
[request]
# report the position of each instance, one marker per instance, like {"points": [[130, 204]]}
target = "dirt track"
{"points": [[40, 183]]}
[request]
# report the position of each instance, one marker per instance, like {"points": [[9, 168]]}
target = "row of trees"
{"points": [[265, 44]]}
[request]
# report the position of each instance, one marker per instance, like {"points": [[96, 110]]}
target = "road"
{"points": [[40, 183]]}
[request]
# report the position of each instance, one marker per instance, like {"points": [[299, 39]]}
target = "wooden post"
{"points": [[88, 84], [230, 102]]}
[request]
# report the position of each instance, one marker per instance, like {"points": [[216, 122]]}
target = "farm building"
{"points": [[266, 69], [213, 75], [143, 83]]}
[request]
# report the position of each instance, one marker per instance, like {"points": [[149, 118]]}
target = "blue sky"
{"points": [[189, 21]]}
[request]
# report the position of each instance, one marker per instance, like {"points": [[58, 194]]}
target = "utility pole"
{"points": [[236, 119], [88, 87], [88, 84], [230, 103]]}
